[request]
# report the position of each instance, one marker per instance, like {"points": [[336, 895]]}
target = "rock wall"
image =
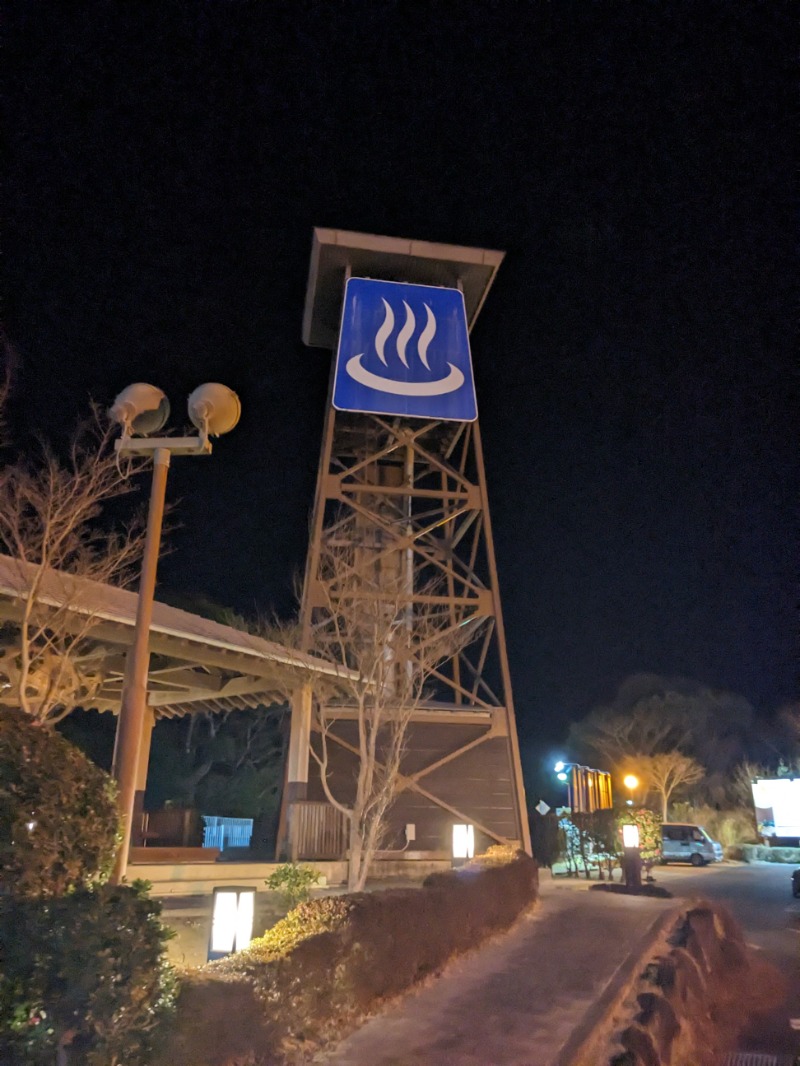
{"points": [[695, 996]]}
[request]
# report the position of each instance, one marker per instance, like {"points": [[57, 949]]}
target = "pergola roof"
{"points": [[196, 664]]}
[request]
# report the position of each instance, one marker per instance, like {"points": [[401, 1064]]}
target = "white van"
{"points": [[681, 842]]}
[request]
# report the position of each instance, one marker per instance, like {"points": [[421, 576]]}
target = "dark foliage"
{"points": [[545, 838], [84, 972], [59, 821]]}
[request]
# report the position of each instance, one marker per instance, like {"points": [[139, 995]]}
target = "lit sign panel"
{"points": [[404, 350]]}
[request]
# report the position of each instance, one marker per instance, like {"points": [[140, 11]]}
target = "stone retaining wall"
{"points": [[693, 997]]}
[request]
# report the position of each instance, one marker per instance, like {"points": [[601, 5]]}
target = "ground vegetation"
{"points": [[332, 960]]}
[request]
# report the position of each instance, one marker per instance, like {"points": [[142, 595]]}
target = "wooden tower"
{"points": [[414, 486]]}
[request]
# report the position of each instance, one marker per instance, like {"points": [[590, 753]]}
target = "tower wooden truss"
{"points": [[411, 494]]}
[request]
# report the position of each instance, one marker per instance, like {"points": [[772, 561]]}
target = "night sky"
{"points": [[167, 162]]}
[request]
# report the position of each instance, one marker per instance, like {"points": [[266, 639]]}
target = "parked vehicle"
{"points": [[796, 884], [682, 842]]}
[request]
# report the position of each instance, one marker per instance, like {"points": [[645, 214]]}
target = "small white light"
{"points": [[561, 777], [559, 766], [232, 921], [244, 920], [30, 826], [630, 836], [463, 841], [223, 922]]}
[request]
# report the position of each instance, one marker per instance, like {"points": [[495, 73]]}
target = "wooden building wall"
{"points": [[476, 786]]}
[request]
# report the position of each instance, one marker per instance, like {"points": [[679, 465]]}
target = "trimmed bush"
{"points": [[84, 973], [59, 821], [332, 959], [763, 853]]}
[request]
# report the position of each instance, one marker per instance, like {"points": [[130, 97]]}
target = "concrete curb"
{"points": [[580, 1048]]}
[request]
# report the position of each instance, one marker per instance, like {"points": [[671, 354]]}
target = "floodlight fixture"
{"points": [[140, 410], [214, 409], [559, 766]]}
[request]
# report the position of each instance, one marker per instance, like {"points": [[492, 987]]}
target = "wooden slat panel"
{"points": [[316, 831]]}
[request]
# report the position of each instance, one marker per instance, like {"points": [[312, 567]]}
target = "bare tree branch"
{"points": [[52, 524], [668, 772]]}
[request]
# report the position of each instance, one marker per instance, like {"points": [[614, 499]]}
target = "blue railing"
{"points": [[225, 833]]}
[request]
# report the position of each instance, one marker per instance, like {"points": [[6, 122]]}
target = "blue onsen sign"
{"points": [[404, 350]]}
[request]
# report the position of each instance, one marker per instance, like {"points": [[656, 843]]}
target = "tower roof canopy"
{"points": [[334, 252]]}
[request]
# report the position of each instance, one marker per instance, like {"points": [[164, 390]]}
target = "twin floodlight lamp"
{"points": [[142, 410]]}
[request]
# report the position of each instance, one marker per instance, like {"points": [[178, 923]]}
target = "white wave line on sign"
{"points": [[405, 334], [426, 337], [383, 333]]}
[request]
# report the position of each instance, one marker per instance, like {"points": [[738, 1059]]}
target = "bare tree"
{"points": [[655, 723], [393, 637], [668, 772], [51, 526]]}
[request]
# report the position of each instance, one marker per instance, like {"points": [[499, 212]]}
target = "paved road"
{"points": [[760, 898]]}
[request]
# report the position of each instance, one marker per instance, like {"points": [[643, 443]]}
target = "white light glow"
{"points": [[559, 766], [777, 804], [244, 920], [223, 923], [232, 920], [463, 841], [630, 836]]}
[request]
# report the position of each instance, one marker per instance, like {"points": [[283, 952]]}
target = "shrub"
{"points": [[306, 920], [293, 882], [59, 821], [649, 824], [764, 853], [333, 958], [84, 972], [736, 825]]}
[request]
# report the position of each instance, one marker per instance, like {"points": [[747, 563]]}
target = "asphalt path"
{"points": [[759, 895], [516, 1001]]}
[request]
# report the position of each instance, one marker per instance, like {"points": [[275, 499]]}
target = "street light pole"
{"points": [[134, 696], [214, 409]]}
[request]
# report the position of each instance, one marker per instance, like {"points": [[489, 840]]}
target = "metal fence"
{"points": [[225, 833]]}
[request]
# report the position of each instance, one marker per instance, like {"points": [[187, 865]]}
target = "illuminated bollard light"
{"points": [[231, 922], [632, 859], [463, 844]]}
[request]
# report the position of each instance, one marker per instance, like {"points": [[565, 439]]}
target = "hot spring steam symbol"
{"points": [[453, 380]]}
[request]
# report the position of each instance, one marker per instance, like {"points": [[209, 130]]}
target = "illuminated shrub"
{"points": [[59, 821], [331, 959]]}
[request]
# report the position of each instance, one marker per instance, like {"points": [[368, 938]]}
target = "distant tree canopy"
{"points": [[652, 715], [229, 765]]}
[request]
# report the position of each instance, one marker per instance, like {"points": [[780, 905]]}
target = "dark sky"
{"points": [[167, 164]]}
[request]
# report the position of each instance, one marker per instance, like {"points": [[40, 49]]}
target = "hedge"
{"points": [[85, 973], [763, 853], [334, 959]]}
